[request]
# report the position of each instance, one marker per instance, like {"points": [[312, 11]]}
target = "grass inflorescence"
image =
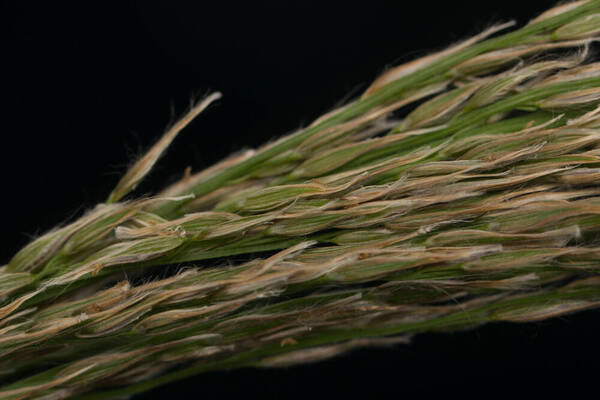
{"points": [[458, 190]]}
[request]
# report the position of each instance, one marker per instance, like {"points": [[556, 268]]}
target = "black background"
{"points": [[88, 86]]}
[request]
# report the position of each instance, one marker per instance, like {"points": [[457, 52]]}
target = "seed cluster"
{"points": [[459, 189]]}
